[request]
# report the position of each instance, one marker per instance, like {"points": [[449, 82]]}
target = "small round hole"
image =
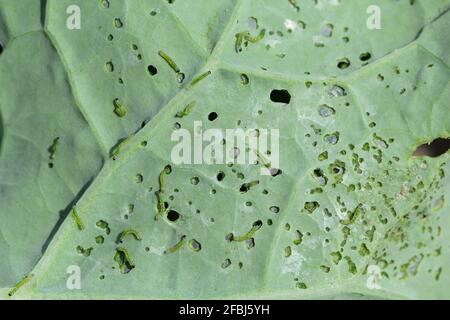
{"points": [[220, 176], [152, 70], [173, 216], [212, 116]]}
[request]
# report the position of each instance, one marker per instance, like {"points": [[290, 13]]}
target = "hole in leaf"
{"points": [[327, 30], [274, 209], [433, 149], [311, 206], [343, 63], [365, 56], [118, 23], [152, 70], [275, 172], [220, 176], [194, 245], [139, 178], [173, 216], [226, 263], [280, 96], [244, 79], [104, 4], [212, 116]]}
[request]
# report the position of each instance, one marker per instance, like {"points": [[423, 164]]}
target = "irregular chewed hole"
{"points": [[252, 23], [280, 96], [257, 224], [194, 245], [337, 91], [250, 243], [332, 138], [274, 209], [226, 263], [152, 70], [327, 30], [109, 66], [275, 172], [343, 63], [365, 56], [244, 79], [139, 178], [173, 216], [118, 23], [320, 177], [326, 111], [195, 181], [1, 48], [212, 116], [99, 239], [311, 206], [180, 77], [433, 149], [104, 4]]}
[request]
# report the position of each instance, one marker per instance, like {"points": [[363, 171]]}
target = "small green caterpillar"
{"points": [[126, 233], [77, 219], [119, 147], [119, 109], [172, 65], [177, 246], [169, 61], [263, 160], [159, 194], [186, 111], [20, 284], [255, 227], [244, 37], [199, 78]]}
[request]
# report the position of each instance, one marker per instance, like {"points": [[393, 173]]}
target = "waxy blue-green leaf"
{"points": [[351, 213]]}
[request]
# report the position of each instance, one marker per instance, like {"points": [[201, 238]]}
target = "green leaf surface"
{"points": [[86, 122]]}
